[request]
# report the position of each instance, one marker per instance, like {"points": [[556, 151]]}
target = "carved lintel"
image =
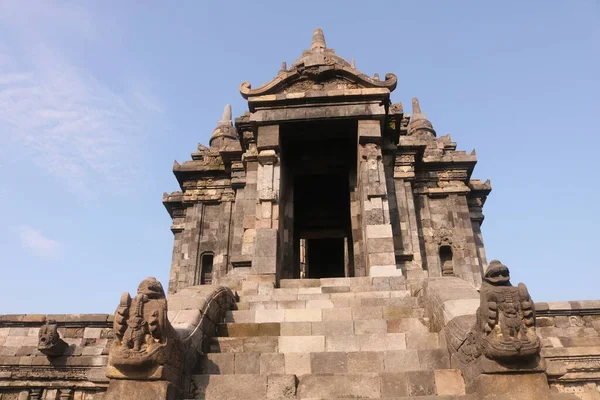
{"points": [[49, 341]]}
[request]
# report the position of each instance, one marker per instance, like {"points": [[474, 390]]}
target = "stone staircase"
{"points": [[334, 338]]}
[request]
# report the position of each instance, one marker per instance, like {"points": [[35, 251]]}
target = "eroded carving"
{"points": [[49, 341], [505, 326], [146, 346]]}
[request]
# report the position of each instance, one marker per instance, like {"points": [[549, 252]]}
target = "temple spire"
{"points": [[226, 113], [318, 40], [419, 124], [416, 107]]}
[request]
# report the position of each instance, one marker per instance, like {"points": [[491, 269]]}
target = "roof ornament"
{"points": [[283, 68], [318, 40], [226, 114], [225, 132], [352, 63], [419, 124]]}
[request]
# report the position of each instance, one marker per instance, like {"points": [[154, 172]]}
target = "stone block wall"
{"points": [[570, 333], [79, 374]]}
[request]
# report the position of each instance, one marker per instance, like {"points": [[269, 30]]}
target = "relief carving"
{"points": [[146, 346], [49, 341]]}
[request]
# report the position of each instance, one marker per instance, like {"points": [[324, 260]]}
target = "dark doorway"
{"points": [[206, 268], [325, 258], [318, 176]]}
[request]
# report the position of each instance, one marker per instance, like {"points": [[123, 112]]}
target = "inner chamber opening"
{"points": [[318, 171]]}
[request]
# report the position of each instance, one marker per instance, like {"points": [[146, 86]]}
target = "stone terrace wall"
{"points": [[26, 373], [570, 334]]}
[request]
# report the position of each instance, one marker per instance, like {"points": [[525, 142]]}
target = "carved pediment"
{"points": [[319, 68], [324, 77]]}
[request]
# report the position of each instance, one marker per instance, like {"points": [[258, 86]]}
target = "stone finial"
{"points": [[416, 107], [283, 68], [318, 40], [225, 133], [226, 114], [376, 76], [352, 63], [419, 124], [49, 341]]}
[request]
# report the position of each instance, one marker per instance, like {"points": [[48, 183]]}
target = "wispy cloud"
{"points": [[80, 130], [34, 240]]}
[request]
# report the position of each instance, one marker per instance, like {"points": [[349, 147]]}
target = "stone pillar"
{"points": [[381, 259], [404, 175], [267, 210], [65, 394], [185, 251]]}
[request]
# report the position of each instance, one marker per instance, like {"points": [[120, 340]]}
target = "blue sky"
{"points": [[98, 98]]}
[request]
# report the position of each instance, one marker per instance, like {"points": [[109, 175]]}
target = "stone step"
{"points": [[330, 386], [322, 343], [353, 298], [344, 325], [355, 284], [318, 311], [335, 362]]}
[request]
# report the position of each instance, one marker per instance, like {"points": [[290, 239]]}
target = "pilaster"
{"points": [[267, 207], [380, 255], [185, 251]]}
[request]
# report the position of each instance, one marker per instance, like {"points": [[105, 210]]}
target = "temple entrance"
{"points": [[318, 176]]}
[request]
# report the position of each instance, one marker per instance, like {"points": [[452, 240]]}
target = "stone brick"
{"points": [[302, 315], [420, 383], [449, 382], [272, 363], [217, 363], [421, 341], [382, 341], [269, 315], [325, 303], [394, 385], [342, 343], [301, 344], [365, 362], [327, 386], [434, 359], [261, 344], [297, 363], [328, 363], [281, 386], [401, 360], [291, 304], [337, 314], [407, 325], [361, 313], [269, 329], [240, 329], [247, 363], [227, 387], [333, 328], [295, 328], [368, 326]]}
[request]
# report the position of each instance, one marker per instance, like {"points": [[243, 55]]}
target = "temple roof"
{"points": [[315, 66]]}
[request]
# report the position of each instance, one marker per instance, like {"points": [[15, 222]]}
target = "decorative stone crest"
{"points": [[49, 341], [505, 325], [146, 346]]}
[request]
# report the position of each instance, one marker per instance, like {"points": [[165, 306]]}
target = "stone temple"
{"points": [[327, 245]]}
